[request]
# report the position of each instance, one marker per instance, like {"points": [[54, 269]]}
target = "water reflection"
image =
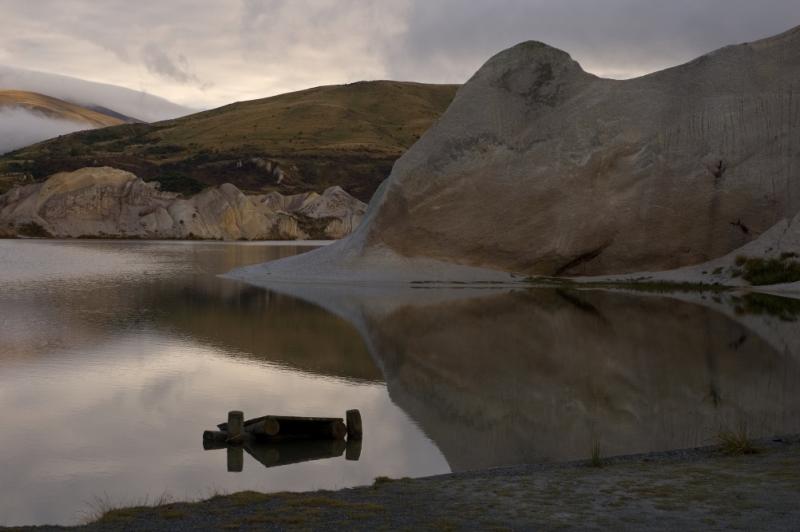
{"points": [[276, 454], [126, 364]]}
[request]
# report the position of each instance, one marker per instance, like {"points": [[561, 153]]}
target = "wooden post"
{"points": [[235, 426], [354, 427]]}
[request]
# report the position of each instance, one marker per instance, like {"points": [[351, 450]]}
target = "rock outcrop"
{"points": [[106, 202], [540, 168]]}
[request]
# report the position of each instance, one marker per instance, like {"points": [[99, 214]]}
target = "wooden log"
{"points": [[354, 426], [217, 436], [209, 445], [268, 426]]}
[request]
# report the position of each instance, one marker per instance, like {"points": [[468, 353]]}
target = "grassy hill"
{"points": [[59, 109], [347, 135]]}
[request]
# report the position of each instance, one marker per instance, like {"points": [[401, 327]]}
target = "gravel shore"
{"points": [[706, 489]]}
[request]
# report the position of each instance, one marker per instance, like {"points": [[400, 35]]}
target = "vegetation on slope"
{"points": [[55, 108], [346, 135]]}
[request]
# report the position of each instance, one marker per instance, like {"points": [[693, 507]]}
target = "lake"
{"points": [[116, 356]]}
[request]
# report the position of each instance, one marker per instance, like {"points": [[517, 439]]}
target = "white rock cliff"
{"points": [[106, 202]]}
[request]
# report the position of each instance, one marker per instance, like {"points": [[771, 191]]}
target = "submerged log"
{"points": [[235, 426], [277, 428]]}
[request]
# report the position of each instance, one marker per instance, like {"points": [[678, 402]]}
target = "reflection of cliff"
{"points": [[537, 376]]}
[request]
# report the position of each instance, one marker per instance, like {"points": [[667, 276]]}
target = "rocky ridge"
{"points": [[540, 168], [110, 203]]}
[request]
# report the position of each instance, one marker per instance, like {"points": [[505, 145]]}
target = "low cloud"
{"points": [[20, 127], [135, 104]]}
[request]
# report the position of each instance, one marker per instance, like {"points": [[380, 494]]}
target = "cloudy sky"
{"points": [[205, 53]]}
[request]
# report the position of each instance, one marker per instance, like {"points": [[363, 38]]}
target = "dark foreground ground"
{"points": [[700, 489]]}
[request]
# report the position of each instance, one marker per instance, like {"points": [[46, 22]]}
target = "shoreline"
{"points": [[703, 487]]}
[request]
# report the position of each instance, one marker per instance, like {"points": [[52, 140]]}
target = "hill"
{"points": [[57, 109], [345, 135]]}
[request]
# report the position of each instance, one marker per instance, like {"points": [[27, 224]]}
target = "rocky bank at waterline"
{"points": [[540, 168], [109, 203]]}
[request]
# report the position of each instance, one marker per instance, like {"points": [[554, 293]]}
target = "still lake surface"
{"points": [[115, 356]]}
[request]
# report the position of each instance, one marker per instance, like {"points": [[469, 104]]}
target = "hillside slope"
{"points": [[345, 135], [55, 108]]}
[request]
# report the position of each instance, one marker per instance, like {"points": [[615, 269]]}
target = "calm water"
{"points": [[115, 356]]}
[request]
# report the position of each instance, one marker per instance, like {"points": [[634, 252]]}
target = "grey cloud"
{"points": [[256, 48], [451, 38], [158, 62]]}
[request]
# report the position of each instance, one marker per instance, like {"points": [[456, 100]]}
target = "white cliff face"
{"points": [[106, 202], [540, 168]]}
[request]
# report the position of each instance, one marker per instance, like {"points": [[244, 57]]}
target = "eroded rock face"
{"points": [[106, 202], [538, 167]]}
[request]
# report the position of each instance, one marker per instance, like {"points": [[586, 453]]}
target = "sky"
{"points": [[206, 53]]}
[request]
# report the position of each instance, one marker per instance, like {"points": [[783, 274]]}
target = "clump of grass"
{"points": [[596, 460], [381, 480], [736, 442], [105, 510], [760, 271]]}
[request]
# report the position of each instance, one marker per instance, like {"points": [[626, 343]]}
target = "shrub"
{"points": [[735, 443], [758, 271], [181, 183]]}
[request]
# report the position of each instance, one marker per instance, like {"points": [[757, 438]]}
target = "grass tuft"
{"points": [[596, 460], [736, 443]]}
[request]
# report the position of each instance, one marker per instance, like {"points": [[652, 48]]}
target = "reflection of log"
{"points": [[353, 449], [235, 459], [293, 452], [276, 428]]}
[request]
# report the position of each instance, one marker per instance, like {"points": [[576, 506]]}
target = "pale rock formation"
{"points": [[106, 202], [540, 168]]}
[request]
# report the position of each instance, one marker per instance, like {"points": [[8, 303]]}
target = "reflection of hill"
{"points": [[262, 325], [133, 288], [540, 375]]}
